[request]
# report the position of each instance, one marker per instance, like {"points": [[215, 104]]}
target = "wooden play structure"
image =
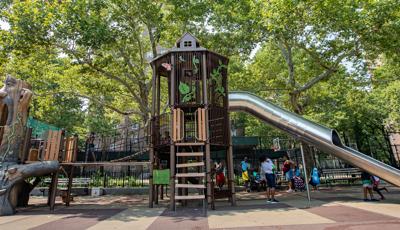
{"points": [[15, 97], [192, 81]]}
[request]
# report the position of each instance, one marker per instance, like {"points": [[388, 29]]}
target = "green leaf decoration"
{"points": [[186, 98], [184, 88], [195, 60], [187, 92]]}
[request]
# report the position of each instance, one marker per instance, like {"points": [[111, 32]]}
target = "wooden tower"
{"points": [[190, 121]]}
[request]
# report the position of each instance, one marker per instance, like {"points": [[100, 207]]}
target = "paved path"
{"points": [[339, 208]]}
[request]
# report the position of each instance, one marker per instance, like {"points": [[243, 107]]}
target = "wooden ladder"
{"points": [[190, 172]]}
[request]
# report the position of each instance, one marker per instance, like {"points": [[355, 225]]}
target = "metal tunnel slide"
{"points": [[324, 138]]}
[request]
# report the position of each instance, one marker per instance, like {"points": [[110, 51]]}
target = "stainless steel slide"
{"points": [[324, 138]]}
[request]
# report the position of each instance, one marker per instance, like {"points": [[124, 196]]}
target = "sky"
{"points": [[4, 25]]}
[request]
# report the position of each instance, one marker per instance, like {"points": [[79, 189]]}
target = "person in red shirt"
{"points": [[288, 171]]}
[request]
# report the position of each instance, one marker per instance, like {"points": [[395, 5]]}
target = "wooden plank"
{"points": [[190, 186], [195, 164], [75, 149], [174, 125], [67, 147], [53, 145], [104, 163], [57, 143], [48, 145], [191, 197], [190, 175], [204, 124], [190, 154], [189, 144], [178, 125]]}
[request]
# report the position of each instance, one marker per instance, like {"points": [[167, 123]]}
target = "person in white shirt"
{"points": [[268, 167]]}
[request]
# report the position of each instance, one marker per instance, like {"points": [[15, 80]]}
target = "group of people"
{"points": [[293, 175], [268, 171], [371, 183]]}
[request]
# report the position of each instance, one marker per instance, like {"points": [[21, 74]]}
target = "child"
{"points": [[367, 186], [315, 178], [287, 169], [375, 186]]}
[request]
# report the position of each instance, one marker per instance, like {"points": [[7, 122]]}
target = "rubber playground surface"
{"points": [[333, 208]]}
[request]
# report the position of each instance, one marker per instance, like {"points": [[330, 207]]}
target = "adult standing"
{"points": [[268, 167]]}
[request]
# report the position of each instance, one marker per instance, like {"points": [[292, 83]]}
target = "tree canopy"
{"points": [[335, 62]]}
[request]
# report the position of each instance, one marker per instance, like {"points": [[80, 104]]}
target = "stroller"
{"points": [[298, 183], [257, 183]]}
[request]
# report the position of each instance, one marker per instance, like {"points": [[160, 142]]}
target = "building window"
{"points": [[187, 43]]}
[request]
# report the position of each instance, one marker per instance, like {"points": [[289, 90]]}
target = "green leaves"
{"points": [[216, 77], [195, 62], [184, 88], [187, 92]]}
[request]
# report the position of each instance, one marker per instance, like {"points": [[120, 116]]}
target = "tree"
{"points": [[108, 40]]}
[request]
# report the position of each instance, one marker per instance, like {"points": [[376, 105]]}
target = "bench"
{"points": [[82, 182], [350, 175]]}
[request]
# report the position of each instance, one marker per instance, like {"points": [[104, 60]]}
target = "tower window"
{"points": [[187, 43]]}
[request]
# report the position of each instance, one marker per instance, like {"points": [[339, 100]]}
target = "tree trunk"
{"points": [[13, 188], [307, 149], [15, 97]]}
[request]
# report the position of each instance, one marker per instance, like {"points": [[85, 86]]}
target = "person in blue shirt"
{"points": [[245, 173]]}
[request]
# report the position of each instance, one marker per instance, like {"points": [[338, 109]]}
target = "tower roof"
{"points": [[187, 42]]}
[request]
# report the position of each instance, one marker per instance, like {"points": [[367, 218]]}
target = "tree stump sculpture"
{"points": [[15, 97]]}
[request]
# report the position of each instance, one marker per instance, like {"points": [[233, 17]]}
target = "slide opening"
{"points": [[336, 139]]}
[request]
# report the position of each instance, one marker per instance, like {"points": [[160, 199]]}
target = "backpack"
{"points": [[315, 177], [286, 166]]}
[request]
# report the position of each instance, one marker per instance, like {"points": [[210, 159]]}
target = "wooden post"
{"points": [[151, 153], [27, 144], [172, 144], [53, 193], [208, 152], [69, 188], [156, 188], [231, 181]]}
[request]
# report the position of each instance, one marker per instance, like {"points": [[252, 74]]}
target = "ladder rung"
{"points": [[190, 174], [190, 154], [191, 197], [189, 144], [190, 186], [194, 164]]}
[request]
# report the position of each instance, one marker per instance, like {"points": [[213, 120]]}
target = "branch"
{"points": [[325, 74], [95, 100], [100, 70], [287, 54], [314, 56], [100, 102]]}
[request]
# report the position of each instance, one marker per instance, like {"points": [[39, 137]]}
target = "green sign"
{"points": [[161, 176]]}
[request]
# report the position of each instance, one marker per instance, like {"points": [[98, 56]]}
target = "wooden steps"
{"points": [[189, 143], [190, 185], [191, 197], [190, 175], [190, 154], [193, 164], [200, 186]]}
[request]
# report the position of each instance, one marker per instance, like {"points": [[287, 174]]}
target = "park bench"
{"points": [[350, 175], [81, 182]]}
